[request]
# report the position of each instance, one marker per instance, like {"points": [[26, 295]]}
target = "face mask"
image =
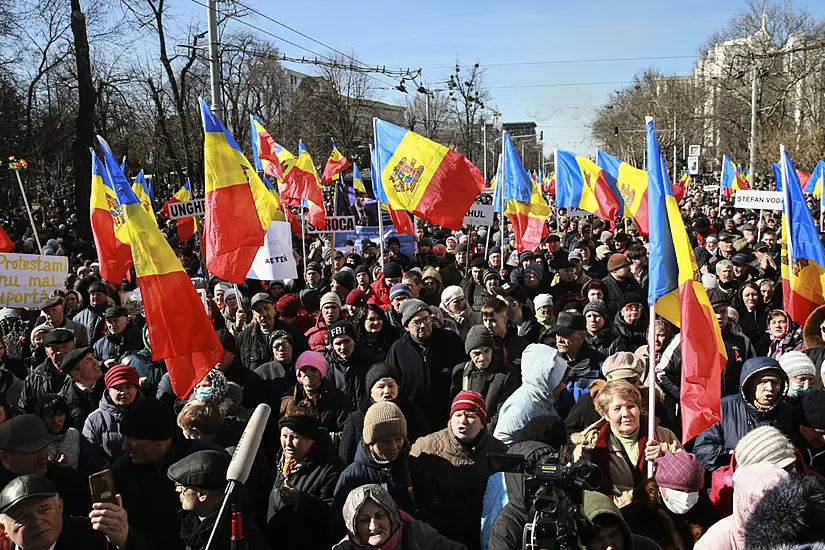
{"points": [[203, 393], [544, 320], [798, 390], [680, 502]]}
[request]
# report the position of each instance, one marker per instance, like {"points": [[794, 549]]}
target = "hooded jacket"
{"points": [[542, 370], [495, 383], [102, 433], [379, 293], [714, 446], [751, 482]]}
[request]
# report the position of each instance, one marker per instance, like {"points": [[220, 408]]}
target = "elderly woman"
{"points": [[620, 439], [783, 335], [373, 520], [375, 331], [459, 317]]}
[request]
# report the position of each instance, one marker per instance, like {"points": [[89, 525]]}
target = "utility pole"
{"points": [[752, 141], [214, 59]]}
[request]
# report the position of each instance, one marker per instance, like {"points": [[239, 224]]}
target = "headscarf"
{"points": [[357, 498]]}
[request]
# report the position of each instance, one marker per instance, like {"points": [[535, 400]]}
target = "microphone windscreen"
{"points": [[248, 446]]}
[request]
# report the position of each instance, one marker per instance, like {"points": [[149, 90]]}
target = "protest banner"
{"points": [[360, 233], [479, 214], [275, 259], [758, 200], [335, 224], [187, 209], [27, 280]]}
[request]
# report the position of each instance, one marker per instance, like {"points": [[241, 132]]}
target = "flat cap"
{"points": [[202, 469], [261, 297], [58, 336], [71, 359], [115, 311], [51, 302], [25, 433], [23, 487]]}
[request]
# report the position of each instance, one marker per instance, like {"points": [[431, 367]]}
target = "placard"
{"points": [[335, 224], [479, 214], [710, 188], [758, 200], [187, 209], [275, 259], [27, 280]]}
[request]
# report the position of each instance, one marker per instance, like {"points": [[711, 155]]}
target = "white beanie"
{"points": [[765, 444], [796, 363], [450, 294], [543, 300]]}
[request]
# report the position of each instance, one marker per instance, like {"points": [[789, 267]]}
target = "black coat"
{"points": [[305, 525], [92, 319], [195, 533], [72, 486], [254, 349], [251, 383], [615, 291], [82, 403], [353, 433], [349, 375], [427, 373], [42, 380], [115, 346], [495, 383], [149, 496]]}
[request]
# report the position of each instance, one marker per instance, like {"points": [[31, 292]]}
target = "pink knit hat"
{"points": [[311, 359], [680, 471]]}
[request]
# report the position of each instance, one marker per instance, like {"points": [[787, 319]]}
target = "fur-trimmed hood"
{"points": [[810, 331]]}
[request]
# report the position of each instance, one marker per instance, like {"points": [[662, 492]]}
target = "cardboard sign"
{"points": [[275, 259], [758, 200], [577, 213], [27, 280], [710, 188], [479, 214], [335, 224], [187, 209]]}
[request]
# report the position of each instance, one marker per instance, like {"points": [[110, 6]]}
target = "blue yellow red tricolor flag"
{"points": [[803, 259], [302, 184], [816, 180], [731, 179], [186, 226], [400, 220], [423, 177], [631, 184], [108, 225], [239, 207], [181, 333], [336, 163], [529, 217], [678, 294], [269, 157], [581, 183], [141, 190], [357, 182]]}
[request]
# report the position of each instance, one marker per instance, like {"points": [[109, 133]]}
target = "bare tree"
{"points": [[468, 94]]}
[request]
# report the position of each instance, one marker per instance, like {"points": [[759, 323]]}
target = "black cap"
{"points": [[718, 298], [740, 259], [72, 358], [726, 236], [202, 469], [479, 262], [147, 419], [261, 297], [462, 247], [97, 286], [23, 487], [630, 298], [761, 247], [58, 336], [568, 323], [51, 302], [115, 311], [25, 433], [314, 266]]}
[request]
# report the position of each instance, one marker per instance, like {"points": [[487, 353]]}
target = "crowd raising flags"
{"points": [[580, 183], [631, 183], [108, 225], [179, 329], [186, 226], [731, 179]]}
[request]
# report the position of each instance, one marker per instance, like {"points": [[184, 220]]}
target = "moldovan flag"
{"points": [[732, 181], [108, 225], [186, 226], [803, 259], [631, 184], [357, 182], [336, 163], [302, 187], [816, 179], [181, 333], [423, 177], [677, 290], [6, 244], [269, 157], [142, 192], [527, 217], [580, 183], [239, 207]]}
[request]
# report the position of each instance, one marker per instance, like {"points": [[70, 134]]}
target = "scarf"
{"points": [[391, 543], [630, 444]]}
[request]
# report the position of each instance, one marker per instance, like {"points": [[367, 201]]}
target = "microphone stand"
{"points": [[229, 495]]}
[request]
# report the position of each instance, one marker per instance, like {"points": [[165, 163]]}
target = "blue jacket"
{"points": [[92, 319], [115, 346], [715, 445], [102, 432]]}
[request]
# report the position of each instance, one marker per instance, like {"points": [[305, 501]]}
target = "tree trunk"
{"points": [[84, 136]]}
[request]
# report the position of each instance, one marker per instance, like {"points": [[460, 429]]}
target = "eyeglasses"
{"points": [[421, 321], [633, 306], [279, 345]]}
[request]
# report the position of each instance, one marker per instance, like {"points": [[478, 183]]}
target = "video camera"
{"points": [[554, 493]]}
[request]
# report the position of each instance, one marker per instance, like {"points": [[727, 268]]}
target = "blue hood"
{"points": [[759, 365]]}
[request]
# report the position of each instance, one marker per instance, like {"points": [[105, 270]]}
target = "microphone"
{"points": [[248, 446]]}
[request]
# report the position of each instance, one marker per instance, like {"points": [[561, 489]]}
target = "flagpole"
{"points": [[29, 211], [304, 236], [380, 235], [759, 227], [651, 382]]}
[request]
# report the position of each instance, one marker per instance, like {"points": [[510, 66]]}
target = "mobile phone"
{"points": [[102, 487]]}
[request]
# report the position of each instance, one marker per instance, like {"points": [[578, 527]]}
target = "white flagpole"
{"points": [[29, 211], [651, 383]]}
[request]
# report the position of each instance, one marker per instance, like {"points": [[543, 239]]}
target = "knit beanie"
{"points": [[812, 411], [345, 278], [491, 274], [311, 359], [623, 365], [765, 444], [227, 341], [542, 300], [525, 256], [341, 328], [679, 471], [330, 298], [148, 419], [450, 294], [382, 421], [796, 363], [598, 306], [121, 374], [410, 308], [288, 305], [357, 298], [431, 272], [468, 400], [616, 261], [314, 266], [478, 336], [392, 270], [535, 269], [379, 371], [400, 289], [309, 299]]}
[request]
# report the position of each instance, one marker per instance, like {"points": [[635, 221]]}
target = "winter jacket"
{"points": [[254, 348], [754, 323], [379, 293], [249, 382], [628, 337], [598, 445], [511, 347], [776, 347], [331, 407], [277, 379], [46, 378], [460, 475], [751, 482], [304, 525], [318, 336], [427, 371], [11, 387], [349, 375], [475, 293], [353, 433], [461, 323], [114, 346], [542, 370], [583, 370], [615, 290], [495, 383], [102, 433], [82, 402], [67, 442], [603, 339], [714, 446], [79, 330], [195, 532], [92, 318]]}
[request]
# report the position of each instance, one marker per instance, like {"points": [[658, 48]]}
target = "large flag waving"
{"points": [[631, 183], [676, 289], [581, 183], [803, 259], [186, 226], [6, 244], [239, 207], [141, 190], [108, 226], [731, 179], [816, 179], [269, 157], [525, 206], [400, 219], [336, 163], [423, 177], [179, 329]]}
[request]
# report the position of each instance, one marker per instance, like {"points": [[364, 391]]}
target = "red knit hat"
{"points": [[467, 400], [288, 305], [356, 297], [121, 374]]}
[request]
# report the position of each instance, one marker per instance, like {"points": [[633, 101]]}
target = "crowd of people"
{"points": [[394, 379]]}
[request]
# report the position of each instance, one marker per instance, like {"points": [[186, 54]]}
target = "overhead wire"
{"points": [[566, 61]]}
